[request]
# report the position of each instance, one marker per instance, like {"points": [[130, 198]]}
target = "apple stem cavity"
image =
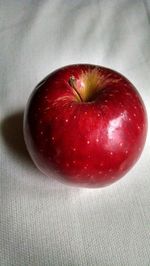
{"points": [[72, 83]]}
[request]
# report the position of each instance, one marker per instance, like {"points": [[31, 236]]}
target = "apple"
{"points": [[86, 125]]}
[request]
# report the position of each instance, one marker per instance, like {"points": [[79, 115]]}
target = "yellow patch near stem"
{"points": [[91, 82]]}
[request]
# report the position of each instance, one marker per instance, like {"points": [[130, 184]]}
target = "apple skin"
{"points": [[88, 143]]}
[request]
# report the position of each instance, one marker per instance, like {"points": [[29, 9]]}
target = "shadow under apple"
{"points": [[12, 133]]}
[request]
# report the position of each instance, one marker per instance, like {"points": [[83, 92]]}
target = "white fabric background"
{"points": [[42, 221]]}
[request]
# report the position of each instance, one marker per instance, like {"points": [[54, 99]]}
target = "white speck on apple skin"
{"points": [[74, 162], [88, 142], [134, 115], [74, 117], [106, 101], [97, 140], [74, 149], [98, 115], [92, 177], [128, 94], [139, 127], [85, 113], [47, 108], [41, 132], [121, 144], [112, 177], [129, 119], [111, 153], [53, 138], [56, 117], [85, 167], [126, 152], [66, 120]]}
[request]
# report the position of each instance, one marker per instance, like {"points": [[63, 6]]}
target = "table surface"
{"points": [[44, 222]]}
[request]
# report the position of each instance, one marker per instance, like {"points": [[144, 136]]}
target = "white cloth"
{"points": [[42, 221]]}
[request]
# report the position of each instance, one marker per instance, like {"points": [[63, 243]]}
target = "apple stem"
{"points": [[72, 82]]}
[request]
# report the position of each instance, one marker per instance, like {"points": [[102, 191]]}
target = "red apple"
{"points": [[86, 125]]}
